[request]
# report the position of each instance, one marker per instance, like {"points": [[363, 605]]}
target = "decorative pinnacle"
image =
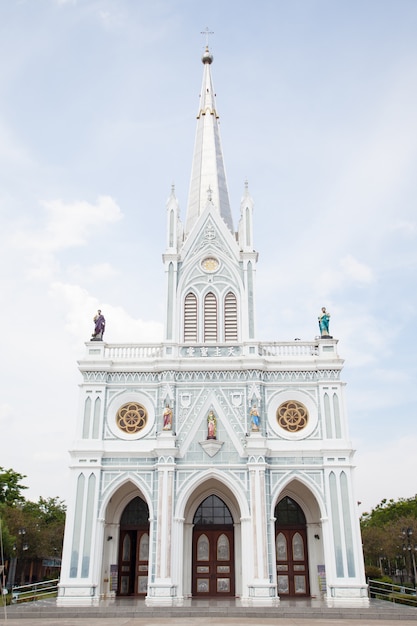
{"points": [[207, 56], [207, 33]]}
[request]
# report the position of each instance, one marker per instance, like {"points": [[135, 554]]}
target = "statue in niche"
{"points": [[211, 426], [254, 417], [167, 418], [324, 320], [99, 326]]}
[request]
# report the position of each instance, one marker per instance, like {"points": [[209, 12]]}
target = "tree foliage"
{"points": [[386, 544], [11, 487], [389, 511], [30, 530]]}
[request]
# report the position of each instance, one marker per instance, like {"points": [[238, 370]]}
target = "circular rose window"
{"points": [[292, 416], [131, 418], [210, 264]]}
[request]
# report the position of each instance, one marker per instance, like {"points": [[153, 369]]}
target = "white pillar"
{"points": [[161, 591]]}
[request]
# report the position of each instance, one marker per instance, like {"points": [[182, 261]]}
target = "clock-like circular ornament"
{"points": [[131, 417], [292, 416], [210, 264]]}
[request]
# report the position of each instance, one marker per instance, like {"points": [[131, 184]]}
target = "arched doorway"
{"points": [[134, 549], [213, 550], [291, 549]]}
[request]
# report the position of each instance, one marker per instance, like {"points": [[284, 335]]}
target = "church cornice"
{"points": [[211, 376]]}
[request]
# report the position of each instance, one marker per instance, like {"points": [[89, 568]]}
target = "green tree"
{"points": [[384, 543], [30, 530], [11, 487]]}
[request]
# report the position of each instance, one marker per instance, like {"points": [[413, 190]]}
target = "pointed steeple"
{"points": [[208, 167]]}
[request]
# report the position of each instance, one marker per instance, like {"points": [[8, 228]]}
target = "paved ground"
{"points": [[203, 621]]}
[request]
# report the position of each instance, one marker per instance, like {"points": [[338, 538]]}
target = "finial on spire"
{"points": [[207, 33], [207, 56]]}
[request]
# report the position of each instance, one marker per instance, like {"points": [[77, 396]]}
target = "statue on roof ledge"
{"points": [[99, 326], [324, 320]]}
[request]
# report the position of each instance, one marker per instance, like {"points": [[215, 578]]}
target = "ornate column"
{"points": [[161, 590], [261, 591]]}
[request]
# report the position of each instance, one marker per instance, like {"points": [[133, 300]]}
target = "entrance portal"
{"points": [[213, 550], [291, 549], [134, 549]]}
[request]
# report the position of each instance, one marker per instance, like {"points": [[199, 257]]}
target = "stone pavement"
{"points": [[205, 621]]}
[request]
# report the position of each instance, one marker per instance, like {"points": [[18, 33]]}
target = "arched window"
{"points": [[171, 229], [212, 511], [190, 318], [210, 317], [230, 317], [289, 513], [136, 513]]}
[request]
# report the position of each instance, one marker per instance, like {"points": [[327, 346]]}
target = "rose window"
{"points": [[292, 416], [131, 417]]}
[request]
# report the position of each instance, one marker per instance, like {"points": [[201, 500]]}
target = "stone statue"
{"points": [[99, 326], [211, 426], [255, 421], [324, 319], [167, 418]]}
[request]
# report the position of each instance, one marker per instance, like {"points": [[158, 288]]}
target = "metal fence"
{"points": [[392, 593], [35, 591]]}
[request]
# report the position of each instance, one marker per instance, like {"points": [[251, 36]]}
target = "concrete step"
{"points": [[377, 610]]}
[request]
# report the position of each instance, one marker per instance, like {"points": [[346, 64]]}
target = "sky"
{"points": [[317, 104]]}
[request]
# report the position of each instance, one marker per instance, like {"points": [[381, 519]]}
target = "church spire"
{"points": [[208, 166]]}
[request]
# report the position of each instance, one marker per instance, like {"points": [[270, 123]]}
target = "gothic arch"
{"points": [[123, 490], [304, 492], [194, 492], [211, 481]]}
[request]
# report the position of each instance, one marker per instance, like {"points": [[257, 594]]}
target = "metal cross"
{"points": [[207, 33]]}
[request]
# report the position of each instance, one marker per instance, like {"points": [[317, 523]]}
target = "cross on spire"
{"points": [[207, 33]]}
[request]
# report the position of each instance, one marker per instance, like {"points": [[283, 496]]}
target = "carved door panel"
{"points": [[292, 563], [213, 563], [133, 562], [127, 561], [142, 559]]}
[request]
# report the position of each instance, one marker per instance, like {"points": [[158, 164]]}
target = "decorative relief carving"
{"points": [[234, 375]]}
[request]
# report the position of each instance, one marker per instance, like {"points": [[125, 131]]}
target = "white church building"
{"points": [[212, 464]]}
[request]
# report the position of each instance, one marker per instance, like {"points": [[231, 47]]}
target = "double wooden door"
{"points": [[133, 562], [292, 564], [213, 562]]}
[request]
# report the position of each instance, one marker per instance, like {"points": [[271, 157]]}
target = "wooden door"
{"points": [[142, 561], [127, 562], [292, 564], [213, 563], [133, 562], [134, 549]]}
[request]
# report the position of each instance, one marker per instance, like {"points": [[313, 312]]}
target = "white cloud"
{"points": [[78, 273], [69, 224], [6, 411], [406, 227], [387, 471], [356, 271], [120, 326]]}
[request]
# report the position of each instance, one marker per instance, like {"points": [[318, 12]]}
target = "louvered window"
{"points": [[210, 317], [190, 318], [230, 317]]}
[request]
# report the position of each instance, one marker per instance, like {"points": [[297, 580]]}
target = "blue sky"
{"points": [[317, 103]]}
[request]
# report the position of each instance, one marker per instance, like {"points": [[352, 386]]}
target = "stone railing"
{"points": [[266, 350]]}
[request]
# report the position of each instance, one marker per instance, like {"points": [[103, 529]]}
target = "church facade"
{"points": [[212, 464]]}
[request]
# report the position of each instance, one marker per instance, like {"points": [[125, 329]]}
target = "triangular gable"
{"points": [[211, 403], [210, 231]]}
